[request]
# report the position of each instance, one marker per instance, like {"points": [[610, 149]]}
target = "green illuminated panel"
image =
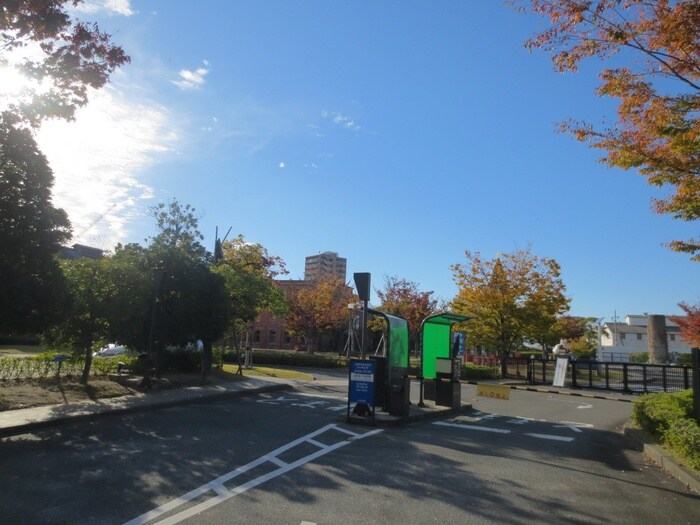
{"points": [[436, 343]]}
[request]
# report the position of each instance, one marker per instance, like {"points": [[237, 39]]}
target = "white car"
{"points": [[111, 350]]}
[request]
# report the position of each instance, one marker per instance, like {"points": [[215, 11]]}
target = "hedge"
{"points": [[43, 366], [669, 417], [288, 358]]}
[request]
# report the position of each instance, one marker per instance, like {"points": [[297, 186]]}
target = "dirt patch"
{"points": [[32, 393]]}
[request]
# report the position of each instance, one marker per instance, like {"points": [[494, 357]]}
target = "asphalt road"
{"points": [[287, 458]]}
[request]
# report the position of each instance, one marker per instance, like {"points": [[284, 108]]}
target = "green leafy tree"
{"points": [[403, 298], [656, 48], [249, 272], [66, 59], [131, 281], [508, 297], [189, 301], [31, 233], [319, 309], [84, 321]]}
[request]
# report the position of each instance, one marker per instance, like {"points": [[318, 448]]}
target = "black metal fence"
{"points": [[603, 375]]}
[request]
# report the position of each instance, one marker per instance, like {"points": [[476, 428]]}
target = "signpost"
{"points": [[361, 389], [560, 371]]}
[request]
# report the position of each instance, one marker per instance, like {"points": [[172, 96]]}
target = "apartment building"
{"points": [[324, 264]]}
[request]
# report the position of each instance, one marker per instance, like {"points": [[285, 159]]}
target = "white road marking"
{"points": [[550, 437], [479, 428], [584, 406], [575, 424], [223, 493], [473, 427]]}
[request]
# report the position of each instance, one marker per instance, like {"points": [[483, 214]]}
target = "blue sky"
{"points": [[398, 134]]}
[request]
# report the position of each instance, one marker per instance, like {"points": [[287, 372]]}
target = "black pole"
{"points": [[695, 353]]}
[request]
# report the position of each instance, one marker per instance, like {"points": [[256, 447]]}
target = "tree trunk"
{"points": [[88, 364]]}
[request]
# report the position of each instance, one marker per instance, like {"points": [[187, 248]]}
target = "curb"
{"points": [[654, 452], [565, 392], [202, 397]]}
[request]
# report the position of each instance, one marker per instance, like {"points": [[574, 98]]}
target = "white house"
{"points": [[618, 340]]}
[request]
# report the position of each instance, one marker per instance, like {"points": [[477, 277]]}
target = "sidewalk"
{"points": [[14, 422]]}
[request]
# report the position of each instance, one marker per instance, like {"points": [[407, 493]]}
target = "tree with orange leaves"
{"points": [[658, 128], [690, 324]]}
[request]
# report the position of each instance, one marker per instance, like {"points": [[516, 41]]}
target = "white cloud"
{"points": [[282, 165], [118, 7], [341, 120], [190, 80], [97, 161]]}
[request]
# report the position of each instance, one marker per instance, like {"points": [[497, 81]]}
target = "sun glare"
{"points": [[12, 82]]}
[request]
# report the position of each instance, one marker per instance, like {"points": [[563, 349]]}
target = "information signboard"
{"points": [[560, 371], [361, 382]]}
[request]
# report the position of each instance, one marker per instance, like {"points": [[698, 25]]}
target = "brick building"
{"points": [[268, 331]]}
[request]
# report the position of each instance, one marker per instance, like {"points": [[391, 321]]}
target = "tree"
{"points": [[189, 301], [249, 272], [401, 297], [548, 334], [319, 309], [690, 324], [74, 56], [659, 96], [84, 321], [31, 233], [509, 297]]}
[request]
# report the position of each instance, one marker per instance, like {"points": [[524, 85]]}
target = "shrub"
{"points": [[639, 357], [476, 372], [286, 358], [43, 366], [669, 417], [181, 360]]}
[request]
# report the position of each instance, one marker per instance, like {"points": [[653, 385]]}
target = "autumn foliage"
{"points": [[403, 298], [75, 56], [690, 324], [511, 298], [318, 309], [657, 85]]}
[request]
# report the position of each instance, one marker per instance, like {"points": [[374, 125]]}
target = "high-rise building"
{"points": [[324, 264]]}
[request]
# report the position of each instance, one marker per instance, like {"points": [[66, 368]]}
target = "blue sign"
{"points": [[58, 358], [361, 381], [459, 338]]}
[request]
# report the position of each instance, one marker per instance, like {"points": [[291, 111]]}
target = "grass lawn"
{"points": [[20, 350], [261, 371]]}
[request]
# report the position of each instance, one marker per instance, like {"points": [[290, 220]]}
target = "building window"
{"points": [[287, 337], [639, 337], [622, 336], [672, 336], [273, 337], [256, 336]]}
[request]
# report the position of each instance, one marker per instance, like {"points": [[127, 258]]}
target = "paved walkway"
{"points": [[13, 422]]}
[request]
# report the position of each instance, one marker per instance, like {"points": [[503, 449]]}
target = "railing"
{"points": [[604, 375]]}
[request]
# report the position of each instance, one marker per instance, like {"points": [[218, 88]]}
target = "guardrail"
{"points": [[603, 375]]}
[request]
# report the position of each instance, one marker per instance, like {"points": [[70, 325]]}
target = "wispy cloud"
{"points": [[281, 165], [341, 120], [189, 80], [98, 162], [116, 7]]}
